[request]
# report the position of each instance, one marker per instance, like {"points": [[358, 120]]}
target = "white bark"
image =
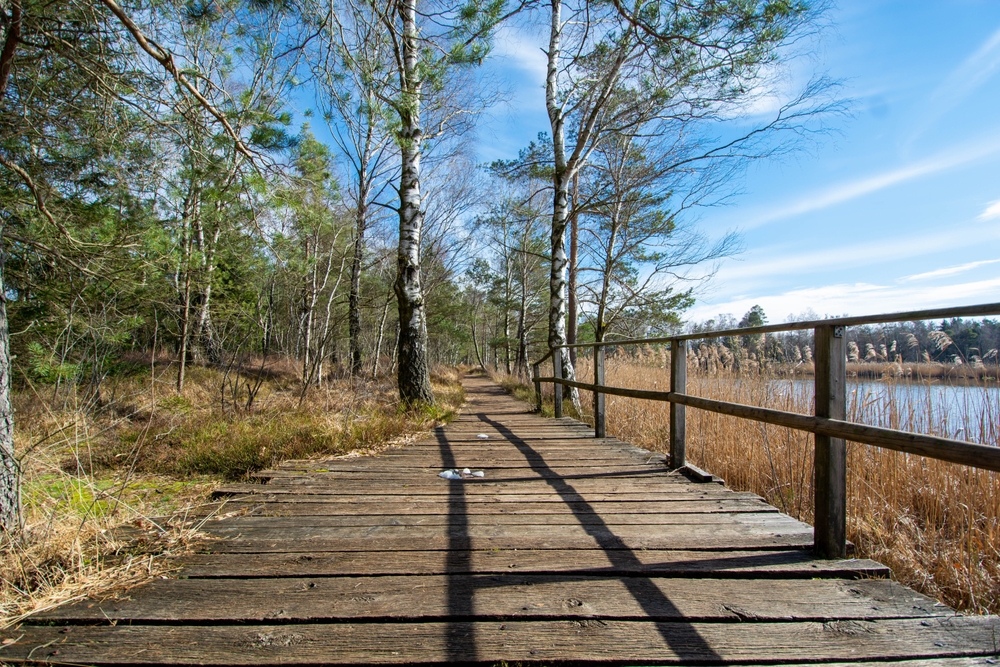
{"points": [[413, 372], [10, 471], [561, 178]]}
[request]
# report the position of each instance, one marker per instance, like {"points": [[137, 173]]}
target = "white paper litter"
{"points": [[483, 436], [463, 474]]}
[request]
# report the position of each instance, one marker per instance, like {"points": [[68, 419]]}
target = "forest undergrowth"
{"points": [[115, 484], [935, 524]]}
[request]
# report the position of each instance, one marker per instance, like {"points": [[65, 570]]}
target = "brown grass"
{"points": [[147, 457], [936, 524]]}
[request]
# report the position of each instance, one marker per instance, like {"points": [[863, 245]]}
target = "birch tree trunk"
{"points": [[10, 477], [561, 178], [413, 372], [574, 244]]}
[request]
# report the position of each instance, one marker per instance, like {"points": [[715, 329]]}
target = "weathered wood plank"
{"points": [[491, 482], [752, 524], [794, 563], [510, 596], [328, 505], [696, 539], [422, 466], [508, 520], [580, 641], [331, 494]]}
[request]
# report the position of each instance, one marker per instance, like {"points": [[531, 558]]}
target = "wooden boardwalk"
{"points": [[570, 549]]}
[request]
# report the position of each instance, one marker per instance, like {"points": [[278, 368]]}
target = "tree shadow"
{"points": [[679, 635]]}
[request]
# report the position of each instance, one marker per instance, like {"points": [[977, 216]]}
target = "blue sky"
{"points": [[899, 209]]}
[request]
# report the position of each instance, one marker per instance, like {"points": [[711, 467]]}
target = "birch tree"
{"points": [[427, 47], [645, 69]]}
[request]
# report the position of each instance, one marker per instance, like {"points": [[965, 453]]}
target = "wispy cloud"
{"points": [[855, 299], [972, 73], [853, 189], [992, 211], [522, 51], [795, 264], [949, 270]]}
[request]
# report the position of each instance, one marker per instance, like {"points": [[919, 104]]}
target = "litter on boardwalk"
{"points": [[483, 436], [461, 474]]}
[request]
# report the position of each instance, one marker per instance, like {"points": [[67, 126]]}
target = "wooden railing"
{"points": [[828, 424]]}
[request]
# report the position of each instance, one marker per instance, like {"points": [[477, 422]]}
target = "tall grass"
{"points": [[145, 455], [936, 524]]}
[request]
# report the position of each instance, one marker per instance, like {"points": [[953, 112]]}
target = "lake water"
{"points": [[963, 412]]}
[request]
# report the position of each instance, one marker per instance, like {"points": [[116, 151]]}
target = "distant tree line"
{"points": [[954, 342]]}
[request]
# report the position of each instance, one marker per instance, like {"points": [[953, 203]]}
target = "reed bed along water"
{"points": [[936, 524]]}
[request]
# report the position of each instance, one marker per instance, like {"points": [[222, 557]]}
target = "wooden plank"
{"points": [[328, 505], [510, 596], [777, 524], [330, 494], [794, 563], [691, 540], [473, 487], [588, 641], [508, 520], [512, 469], [430, 460]]}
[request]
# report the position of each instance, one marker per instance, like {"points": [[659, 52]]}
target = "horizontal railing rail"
{"points": [[828, 425]]}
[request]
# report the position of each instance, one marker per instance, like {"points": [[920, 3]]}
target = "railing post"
{"points": [[535, 374], [830, 483], [557, 389], [600, 422], [678, 383]]}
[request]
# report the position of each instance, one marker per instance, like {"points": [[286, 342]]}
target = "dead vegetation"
{"points": [[146, 457]]}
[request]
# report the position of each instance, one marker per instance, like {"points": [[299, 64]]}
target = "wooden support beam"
{"points": [[535, 374], [678, 385], [557, 354], [830, 487], [600, 416]]}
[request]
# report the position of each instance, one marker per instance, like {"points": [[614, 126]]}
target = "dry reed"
{"points": [[935, 524]]}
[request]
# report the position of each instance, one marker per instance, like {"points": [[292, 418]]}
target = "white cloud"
{"points": [[797, 265], [992, 211], [522, 51], [855, 299], [950, 270], [852, 190]]}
